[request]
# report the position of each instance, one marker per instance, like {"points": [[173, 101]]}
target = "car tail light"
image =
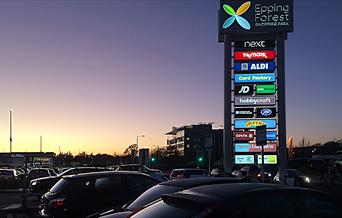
{"points": [[56, 203]]}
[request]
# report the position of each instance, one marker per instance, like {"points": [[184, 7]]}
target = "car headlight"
{"points": [[269, 175], [34, 183], [307, 179]]}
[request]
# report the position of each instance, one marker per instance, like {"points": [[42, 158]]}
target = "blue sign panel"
{"points": [[241, 147], [254, 78], [271, 136], [244, 159], [252, 124], [254, 66]]}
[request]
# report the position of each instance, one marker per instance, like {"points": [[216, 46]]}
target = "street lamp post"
{"points": [[134, 152]]}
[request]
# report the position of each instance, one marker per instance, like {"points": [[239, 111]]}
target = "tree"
{"points": [[304, 142]]}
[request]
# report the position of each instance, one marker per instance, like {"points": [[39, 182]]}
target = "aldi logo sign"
{"points": [[252, 124], [254, 78], [254, 55], [254, 66]]}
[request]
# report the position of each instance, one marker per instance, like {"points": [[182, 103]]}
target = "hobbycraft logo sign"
{"points": [[257, 16]]}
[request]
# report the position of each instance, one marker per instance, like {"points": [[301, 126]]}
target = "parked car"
{"points": [[299, 179], [157, 174], [244, 171], [42, 185], [156, 191], [188, 173], [83, 194], [10, 179], [244, 201], [35, 173]]}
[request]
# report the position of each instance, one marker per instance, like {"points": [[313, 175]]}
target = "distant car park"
{"points": [[10, 179], [188, 173]]}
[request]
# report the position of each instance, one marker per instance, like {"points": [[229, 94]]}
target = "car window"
{"points": [[108, 184], [152, 194], [263, 205], [6, 173], [139, 183], [321, 208], [61, 184]]}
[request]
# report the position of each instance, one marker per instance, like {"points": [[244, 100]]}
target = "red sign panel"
{"points": [[244, 136], [254, 55], [267, 148]]}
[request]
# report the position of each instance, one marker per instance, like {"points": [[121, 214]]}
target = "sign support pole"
{"points": [[281, 106], [227, 135]]}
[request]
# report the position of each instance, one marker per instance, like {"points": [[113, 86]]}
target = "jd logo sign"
{"points": [[244, 90]]}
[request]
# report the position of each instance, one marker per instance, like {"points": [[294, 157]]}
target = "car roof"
{"points": [[208, 194], [192, 182], [185, 169], [104, 173]]}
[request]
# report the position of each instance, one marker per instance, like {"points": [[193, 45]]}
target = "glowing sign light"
{"points": [[254, 55], [254, 78], [252, 124]]}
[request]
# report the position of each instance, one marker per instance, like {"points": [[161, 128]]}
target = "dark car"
{"points": [[157, 174], [244, 201], [156, 191], [35, 173], [188, 173], [244, 171], [299, 179], [9, 179], [42, 185], [84, 194]]}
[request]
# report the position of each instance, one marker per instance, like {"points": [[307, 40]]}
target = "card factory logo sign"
{"points": [[252, 124], [254, 100], [254, 78], [256, 16]]}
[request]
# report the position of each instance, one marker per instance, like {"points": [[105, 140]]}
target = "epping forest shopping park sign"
{"points": [[254, 34]]}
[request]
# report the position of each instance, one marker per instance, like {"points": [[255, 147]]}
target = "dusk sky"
{"points": [[92, 75]]}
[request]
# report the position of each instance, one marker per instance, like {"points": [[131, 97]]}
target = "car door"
{"points": [[109, 191], [137, 184]]}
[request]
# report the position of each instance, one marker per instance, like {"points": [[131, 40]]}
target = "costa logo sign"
{"points": [[243, 89], [255, 100], [244, 136], [254, 78], [244, 112], [244, 159], [252, 124], [266, 112], [268, 159], [255, 44], [254, 55], [246, 147], [255, 66]]}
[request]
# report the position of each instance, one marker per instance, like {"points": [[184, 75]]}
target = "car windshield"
{"points": [[59, 186], [152, 194]]}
